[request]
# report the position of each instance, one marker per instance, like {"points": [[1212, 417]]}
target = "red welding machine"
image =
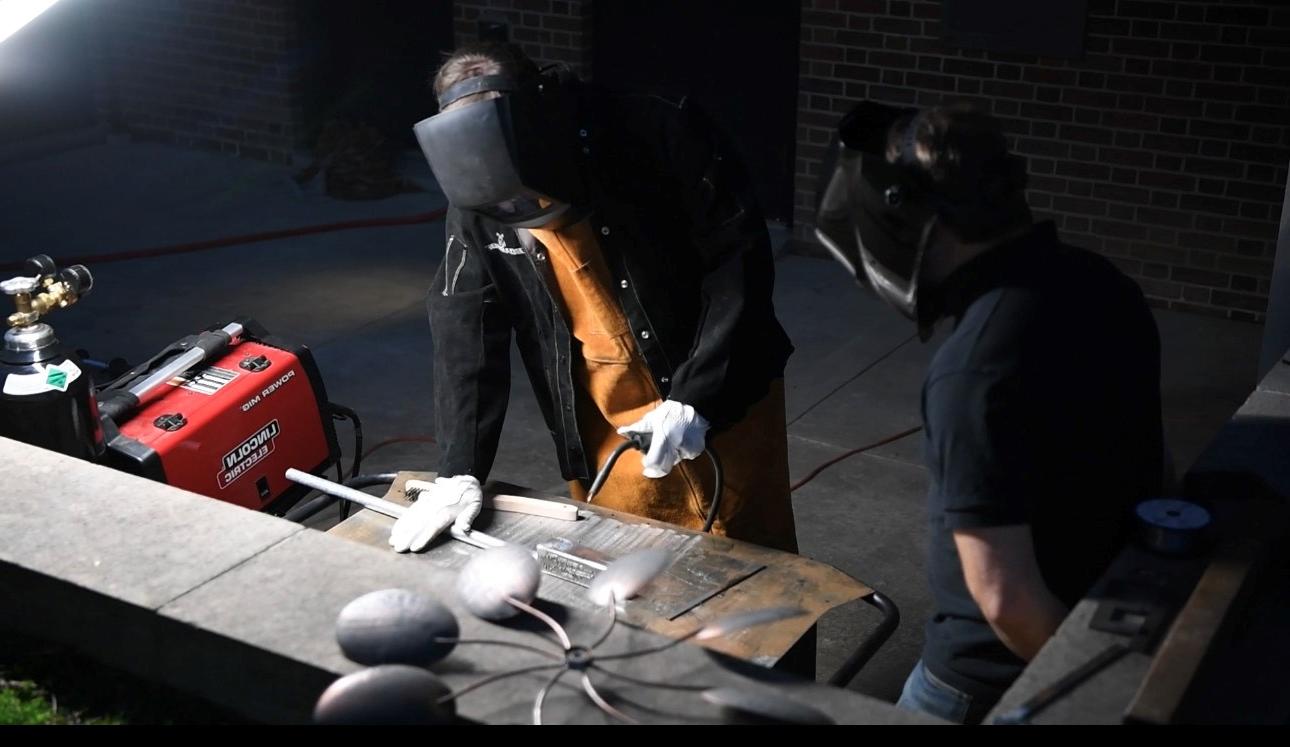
{"points": [[223, 414]]}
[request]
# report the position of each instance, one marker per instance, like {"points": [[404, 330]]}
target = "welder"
{"points": [[616, 238], [1041, 408]]}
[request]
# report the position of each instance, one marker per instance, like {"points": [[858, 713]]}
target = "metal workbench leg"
{"points": [[870, 645]]}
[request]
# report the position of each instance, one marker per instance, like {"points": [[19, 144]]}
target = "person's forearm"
{"points": [[1026, 625]]}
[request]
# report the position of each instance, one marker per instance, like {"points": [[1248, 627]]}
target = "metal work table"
{"points": [[777, 578]]}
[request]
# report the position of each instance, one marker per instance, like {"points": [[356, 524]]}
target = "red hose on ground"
{"points": [[815, 472], [197, 246], [399, 440]]}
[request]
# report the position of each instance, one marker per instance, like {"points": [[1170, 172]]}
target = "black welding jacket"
{"points": [[690, 257]]}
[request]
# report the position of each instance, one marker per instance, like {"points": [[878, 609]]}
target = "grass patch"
{"points": [[23, 702], [47, 683]]}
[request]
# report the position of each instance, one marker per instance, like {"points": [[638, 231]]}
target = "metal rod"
{"points": [[651, 650], [305, 511], [500, 676], [649, 683], [603, 704], [540, 700], [870, 645], [382, 506], [544, 617], [509, 644], [1039, 701], [613, 621]]}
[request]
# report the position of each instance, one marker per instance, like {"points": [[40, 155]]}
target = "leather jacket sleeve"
{"points": [[727, 226], [471, 328]]}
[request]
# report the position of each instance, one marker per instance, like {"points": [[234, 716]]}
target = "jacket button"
{"points": [[644, 334], [622, 283], [541, 257], [604, 230], [582, 133], [664, 380]]}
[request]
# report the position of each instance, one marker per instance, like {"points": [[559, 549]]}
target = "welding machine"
{"points": [[223, 413]]}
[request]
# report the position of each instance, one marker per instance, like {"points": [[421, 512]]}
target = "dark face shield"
{"points": [[510, 158], [892, 225], [873, 216]]}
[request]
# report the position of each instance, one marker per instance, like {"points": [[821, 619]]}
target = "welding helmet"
{"points": [[877, 215], [512, 158]]}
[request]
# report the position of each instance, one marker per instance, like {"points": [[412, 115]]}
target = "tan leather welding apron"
{"points": [[615, 388]]}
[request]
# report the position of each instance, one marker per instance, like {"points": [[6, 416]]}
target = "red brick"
{"points": [[1096, 135], [886, 59], [1189, 32], [1083, 169], [1121, 193], [1046, 111], [929, 80], [1126, 157]]}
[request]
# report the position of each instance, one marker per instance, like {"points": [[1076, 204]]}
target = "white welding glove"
{"points": [[446, 501], [676, 432]]}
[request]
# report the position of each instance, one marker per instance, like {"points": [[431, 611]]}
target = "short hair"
{"points": [[481, 58], [962, 154]]}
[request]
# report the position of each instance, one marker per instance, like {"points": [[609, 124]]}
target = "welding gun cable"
{"points": [[608, 467], [341, 412], [718, 485], [637, 442]]}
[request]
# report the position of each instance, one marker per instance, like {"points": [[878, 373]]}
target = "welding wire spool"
{"points": [[1173, 526]]}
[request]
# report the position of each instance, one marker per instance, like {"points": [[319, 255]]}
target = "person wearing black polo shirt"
{"points": [[1041, 408]]}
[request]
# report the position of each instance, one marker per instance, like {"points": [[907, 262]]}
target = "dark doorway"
{"points": [[370, 61], [739, 59]]}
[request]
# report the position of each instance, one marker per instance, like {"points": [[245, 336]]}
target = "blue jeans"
{"points": [[926, 693]]}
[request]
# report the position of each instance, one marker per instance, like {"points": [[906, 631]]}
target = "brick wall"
{"points": [[214, 74], [548, 31], [1165, 148]]}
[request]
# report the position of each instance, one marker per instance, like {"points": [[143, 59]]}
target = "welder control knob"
{"points": [[18, 285], [78, 279], [170, 422], [254, 364], [42, 264]]}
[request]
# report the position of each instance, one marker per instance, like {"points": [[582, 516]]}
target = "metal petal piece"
{"points": [[388, 694], [627, 575], [493, 575], [395, 626], [749, 705], [742, 620]]}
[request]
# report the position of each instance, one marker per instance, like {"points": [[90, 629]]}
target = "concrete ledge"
{"points": [[239, 608]]}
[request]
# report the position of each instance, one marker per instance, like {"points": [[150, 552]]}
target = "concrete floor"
{"points": [[357, 299]]}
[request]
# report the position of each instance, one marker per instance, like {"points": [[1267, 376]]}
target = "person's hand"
{"points": [[675, 432], [445, 502]]}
